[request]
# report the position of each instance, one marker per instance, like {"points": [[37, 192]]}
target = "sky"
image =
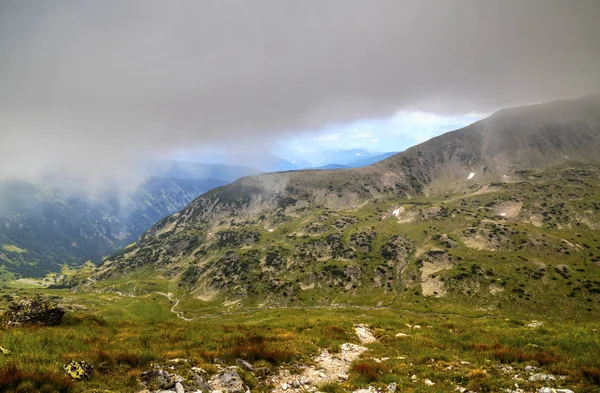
{"points": [[395, 133], [91, 87]]}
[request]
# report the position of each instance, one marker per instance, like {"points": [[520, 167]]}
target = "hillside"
{"points": [[43, 228], [502, 213]]}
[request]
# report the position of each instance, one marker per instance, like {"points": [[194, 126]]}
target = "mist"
{"points": [[91, 89]]}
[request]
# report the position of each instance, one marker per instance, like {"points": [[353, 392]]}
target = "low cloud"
{"points": [[93, 87]]}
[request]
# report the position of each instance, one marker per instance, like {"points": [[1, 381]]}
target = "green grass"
{"points": [[122, 336]]}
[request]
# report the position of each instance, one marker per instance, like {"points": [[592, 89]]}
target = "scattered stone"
{"points": [[535, 324], [552, 390], [157, 378], [428, 382], [244, 365], [369, 389], [402, 335], [78, 369], [530, 368], [542, 377], [328, 368], [37, 311], [505, 368], [179, 388], [365, 335], [228, 380], [392, 387]]}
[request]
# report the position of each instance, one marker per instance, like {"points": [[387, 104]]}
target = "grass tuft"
{"points": [[15, 379]]}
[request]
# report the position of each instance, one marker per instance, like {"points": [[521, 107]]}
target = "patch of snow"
{"points": [[471, 175]]}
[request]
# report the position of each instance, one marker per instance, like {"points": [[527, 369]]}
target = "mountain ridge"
{"points": [[409, 227]]}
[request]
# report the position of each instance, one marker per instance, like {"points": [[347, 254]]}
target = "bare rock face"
{"points": [[37, 311]]}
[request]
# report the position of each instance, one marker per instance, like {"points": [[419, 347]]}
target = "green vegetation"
{"points": [[121, 336]]}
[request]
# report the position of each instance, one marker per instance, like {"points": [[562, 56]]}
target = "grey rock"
{"points": [[228, 380], [179, 388], [542, 377], [392, 387], [36, 311], [157, 379], [244, 365], [530, 368]]}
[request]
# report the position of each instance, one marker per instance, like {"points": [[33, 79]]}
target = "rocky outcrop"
{"points": [[78, 370], [182, 377], [36, 311]]}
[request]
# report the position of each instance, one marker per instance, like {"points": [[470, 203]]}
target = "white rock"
{"points": [[471, 175], [542, 377], [284, 386], [428, 382], [179, 388], [365, 335]]}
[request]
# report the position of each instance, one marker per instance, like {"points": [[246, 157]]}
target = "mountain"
{"points": [[370, 160], [502, 213], [43, 228], [333, 166], [258, 161], [198, 170], [342, 157]]}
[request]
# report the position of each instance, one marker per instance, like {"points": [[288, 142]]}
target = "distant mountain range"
{"points": [[46, 226]]}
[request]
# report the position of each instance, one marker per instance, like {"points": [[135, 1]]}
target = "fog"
{"points": [[91, 88]]}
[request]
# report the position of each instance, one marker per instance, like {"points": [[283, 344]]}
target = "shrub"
{"points": [[591, 374], [15, 379], [370, 371]]}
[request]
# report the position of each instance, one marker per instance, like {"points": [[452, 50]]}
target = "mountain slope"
{"points": [[42, 228], [417, 224]]}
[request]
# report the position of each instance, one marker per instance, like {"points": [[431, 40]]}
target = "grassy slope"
{"points": [[121, 336]]}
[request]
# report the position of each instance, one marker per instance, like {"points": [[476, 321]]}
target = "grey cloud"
{"points": [[92, 85]]}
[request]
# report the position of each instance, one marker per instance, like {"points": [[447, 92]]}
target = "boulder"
{"points": [[157, 378], [228, 380], [244, 365], [78, 369], [36, 311]]}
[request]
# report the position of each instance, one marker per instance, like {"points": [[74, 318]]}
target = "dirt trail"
{"points": [[178, 313], [330, 367]]}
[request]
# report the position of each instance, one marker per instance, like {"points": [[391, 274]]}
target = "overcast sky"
{"points": [[91, 86]]}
